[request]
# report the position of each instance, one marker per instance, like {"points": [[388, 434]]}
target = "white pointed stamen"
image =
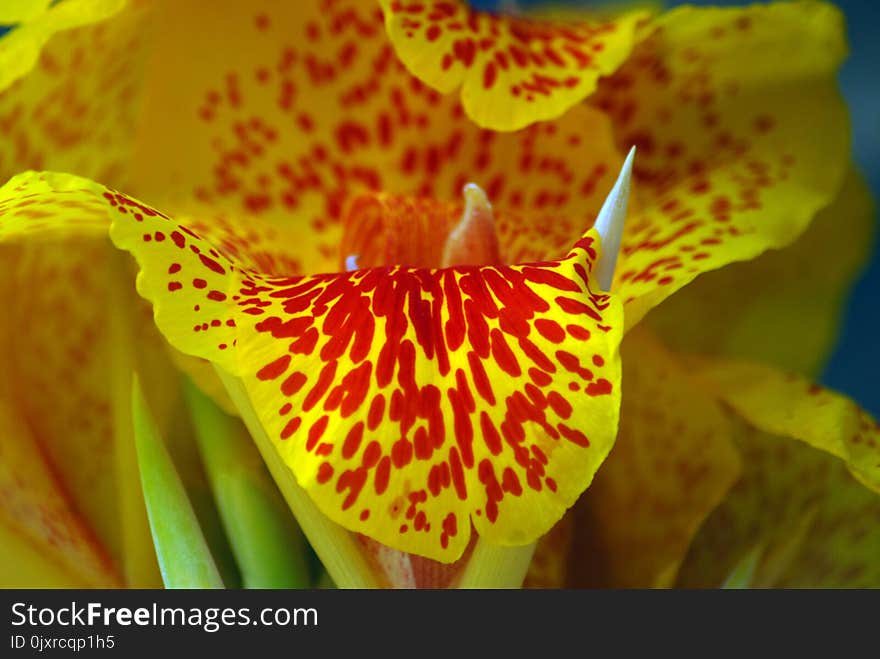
{"points": [[473, 241], [351, 262], [609, 223]]}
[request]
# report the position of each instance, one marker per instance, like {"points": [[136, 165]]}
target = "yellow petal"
{"points": [[809, 522], [512, 71], [672, 464], [784, 307], [49, 205], [39, 520], [18, 11], [70, 84], [63, 350], [363, 378], [55, 369], [742, 138], [301, 108], [789, 405]]}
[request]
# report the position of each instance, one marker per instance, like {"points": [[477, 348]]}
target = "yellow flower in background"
{"points": [[271, 143]]}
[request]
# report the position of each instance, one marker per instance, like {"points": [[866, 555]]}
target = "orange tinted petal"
{"points": [[38, 514], [742, 137], [302, 107], [513, 71], [672, 464]]}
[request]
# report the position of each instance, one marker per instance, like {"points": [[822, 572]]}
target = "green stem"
{"points": [[268, 546], [338, 549], [184, 557]]}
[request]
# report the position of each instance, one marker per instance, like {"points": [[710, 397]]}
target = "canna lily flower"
{"points": [[432, 413]]}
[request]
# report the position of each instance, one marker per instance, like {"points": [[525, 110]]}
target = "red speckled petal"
{"points": [[783, 308], [512, 71], [302, 107], [742, 138], [70, 85], [789, 405], [409, 403]]}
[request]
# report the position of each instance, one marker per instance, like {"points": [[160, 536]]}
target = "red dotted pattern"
{"points": [[334, 114], [76, 110], [535, 59], [722, 169]]}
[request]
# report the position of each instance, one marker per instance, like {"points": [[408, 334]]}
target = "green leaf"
{"points": [[184, 558], [268, 545], [743, 574]]}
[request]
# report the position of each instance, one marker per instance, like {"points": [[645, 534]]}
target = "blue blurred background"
{"points": [[855, 364]]}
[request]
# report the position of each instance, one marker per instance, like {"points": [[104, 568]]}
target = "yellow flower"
{"points": [[260, 137]]}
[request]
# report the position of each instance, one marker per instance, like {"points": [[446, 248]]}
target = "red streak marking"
{"points": [[464, 431], [293, 383], [174, 286], [354, 482], [291, 427], [539, 377], [457, 474], [578, 332], [274, 369], [382, 476], [577, 307], [317, 392], [490, 75], [316, 431], [350, 134], [510, 483], [325, 472], [573, 435], [480, 378], [401, 452], [561, 406], [377, 409], [211, 264], [371, 455], [423, 448], [353, 440], [550, 330], [503, 355], [536, 355], [600, 387]]}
